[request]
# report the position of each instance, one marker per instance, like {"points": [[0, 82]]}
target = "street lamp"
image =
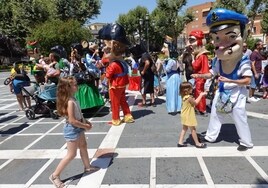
{"points": [[147, 31], [145, 22], [141, 23]]}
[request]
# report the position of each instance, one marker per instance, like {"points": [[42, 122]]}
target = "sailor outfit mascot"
{"points": [[228, 31], [114, 37]]}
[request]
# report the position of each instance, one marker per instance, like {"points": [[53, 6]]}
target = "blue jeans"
{"points": [[255, 82], [71, 133]]}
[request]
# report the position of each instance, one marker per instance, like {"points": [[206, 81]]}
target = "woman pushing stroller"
{"points": [[19, 81]]}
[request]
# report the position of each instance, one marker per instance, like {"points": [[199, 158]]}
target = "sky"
{"points": [[111, 9]]}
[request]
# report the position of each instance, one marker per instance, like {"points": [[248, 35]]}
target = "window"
{"points": [[205, 13], [254, 29]]}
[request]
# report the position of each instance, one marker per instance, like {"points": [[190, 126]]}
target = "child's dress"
{"points": [[188, 112]]}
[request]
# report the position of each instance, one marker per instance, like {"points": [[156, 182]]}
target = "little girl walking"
{"points": [[188, 119], [73, 130]]}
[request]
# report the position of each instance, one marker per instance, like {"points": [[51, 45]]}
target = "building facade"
{"points": [[200, 13]]}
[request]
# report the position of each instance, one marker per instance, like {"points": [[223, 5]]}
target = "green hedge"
{"points": [[5, 67]]}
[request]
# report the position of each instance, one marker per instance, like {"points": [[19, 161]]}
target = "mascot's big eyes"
{"points": [[191, 40]]}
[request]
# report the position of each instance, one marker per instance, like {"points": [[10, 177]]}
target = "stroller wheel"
{"points": [[7, 81], [54, 115], [30, 114]]}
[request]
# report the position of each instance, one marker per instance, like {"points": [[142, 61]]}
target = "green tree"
{"points": [[169, 11], [59, 32], [80, 10], [5, 12], [21, 17], [164, 20], [264, 22], [131, 22], [235, 5]]}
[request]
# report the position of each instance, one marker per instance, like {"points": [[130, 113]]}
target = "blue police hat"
{"points": [[113, 32], [105, 32], [219, 19]]}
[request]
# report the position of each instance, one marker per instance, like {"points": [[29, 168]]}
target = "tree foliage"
{"points": [[264, 22], [59, 32], [22, 17], [165, 19], [80, 10], [235, 5]]}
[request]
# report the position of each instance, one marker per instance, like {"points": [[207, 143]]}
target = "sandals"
{"points": [[56, 181], [181, 145], [91, 169], [203, 145], [152, 104], [142, 104]]}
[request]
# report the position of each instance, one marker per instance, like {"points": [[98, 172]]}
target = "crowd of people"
{"points": [[232, 76]]}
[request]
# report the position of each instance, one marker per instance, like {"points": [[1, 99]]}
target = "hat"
{"points": [[113, 32], [219, 19], [84, 44], [105, 32], [198, 35]]}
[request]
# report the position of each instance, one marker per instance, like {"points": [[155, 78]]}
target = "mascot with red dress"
{"points": [[197, 42]]}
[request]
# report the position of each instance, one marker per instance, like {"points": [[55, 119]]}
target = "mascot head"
{"points": [[228, 32], [169, 49], [114, 37], [197, 37], [196, 42]]}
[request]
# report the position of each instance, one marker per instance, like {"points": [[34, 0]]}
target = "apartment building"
{"points": [[201, 11], [94, 28]]}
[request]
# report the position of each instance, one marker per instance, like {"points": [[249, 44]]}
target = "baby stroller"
{"points": [[45, 101]]}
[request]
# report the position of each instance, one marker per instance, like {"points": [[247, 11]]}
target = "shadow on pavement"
{"points": [[141, 113], [14, 130], [8, 118]]}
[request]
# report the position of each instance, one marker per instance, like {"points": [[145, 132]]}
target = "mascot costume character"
{"points": [[228, 31], [114, 37], [197, 42], [173, 81]]}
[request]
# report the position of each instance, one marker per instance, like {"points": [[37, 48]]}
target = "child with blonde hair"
{"points": [[188, 119], [73, 130]]}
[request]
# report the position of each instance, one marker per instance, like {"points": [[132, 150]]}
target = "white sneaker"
{"points": [[257, 98], [253, 99]]}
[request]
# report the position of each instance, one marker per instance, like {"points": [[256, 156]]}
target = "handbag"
{"points": [[223, 103]]}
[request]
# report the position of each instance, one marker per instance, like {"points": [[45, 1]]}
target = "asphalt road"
{"points": [[138, 155]]}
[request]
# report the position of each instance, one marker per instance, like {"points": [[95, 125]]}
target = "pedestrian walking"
{"points": [[147, 75], [188, 119], [74, 128]]}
